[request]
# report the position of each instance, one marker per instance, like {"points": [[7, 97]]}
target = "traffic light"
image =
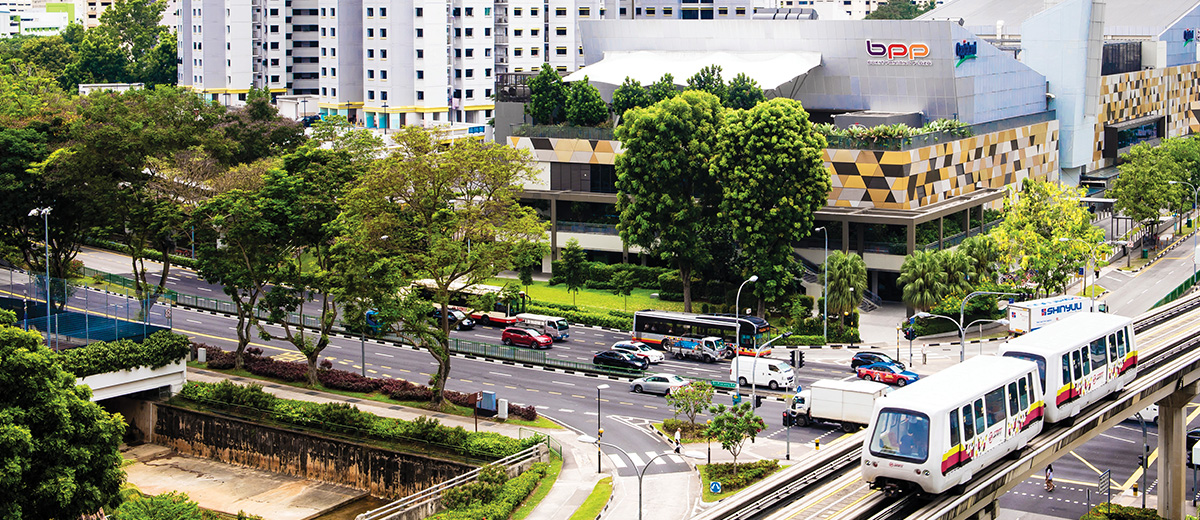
{"points": [[758, 401], [797, 358], [910, 333]]}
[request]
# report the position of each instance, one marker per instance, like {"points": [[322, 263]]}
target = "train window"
{"points": [[1121, 350], [968, 424], [1076, 366], [901, 434], [1041, 363], [1014, 403], [1023, 391], [1097, 353], [995, 406], [1112, 348], [980, 420], [1066, 368], [954, 441], [1087, 364]]}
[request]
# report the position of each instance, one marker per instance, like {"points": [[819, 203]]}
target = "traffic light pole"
{"points": [[910, 360]]}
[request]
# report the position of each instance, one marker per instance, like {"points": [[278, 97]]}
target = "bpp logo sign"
{"points": [[1070, 307], [893, 53]]}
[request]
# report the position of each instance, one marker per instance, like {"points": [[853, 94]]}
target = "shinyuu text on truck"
{"points": [[1028, 316], [848, 403]]}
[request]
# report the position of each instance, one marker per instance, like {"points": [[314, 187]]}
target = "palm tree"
{"points": [[847, 279], [959, 270], [922, 280], [985, 255]]}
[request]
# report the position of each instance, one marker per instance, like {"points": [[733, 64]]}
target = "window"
{"points": [[383, 54], [517, 52], [560, 31], [470, 32], [457, 94], [370, 74], [995, 407], [533, 11], [457, 11], [649, 11], [420, 11], [470, 73], [1014, 402], [487, 113], [560, 68], [322, 51], [488, 93], [487, 51], [274, 79], [333, 72], [581, 50], [370, 32], [470, 11], [333, 51], [666, 11], [457, 32], [322, 11], [275, 29], [954, 425], [274, 62], [420, 74], [622, 11], [1023, 392], [723, 11], [370, 94], [383, 12], [470, 52], [370, 11], [901, 434], [457, 53], [382, 33], [470, 94], [487, 73], [980, 419], [533, 32], [487, 11], [458, 73], [323, 71], [332, 11], [420, 95], [518, 32], [274, 12], [968, 423], [487, 31], [370, 53], [420, 53], [383, 74], [275, 45], [420, 33], [561, 51], [324, 91], [560, 11], [517, 11], [383, 95], [740, 11], [585, 11]]}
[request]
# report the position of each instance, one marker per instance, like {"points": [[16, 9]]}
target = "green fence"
{"points": [[552, 443], [118, 284], [1178, 291]]}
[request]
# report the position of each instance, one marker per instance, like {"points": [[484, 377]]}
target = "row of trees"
{"points": [[1155, 180]]}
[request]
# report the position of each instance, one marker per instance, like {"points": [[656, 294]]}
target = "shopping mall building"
{"points": [[1052, 90]]}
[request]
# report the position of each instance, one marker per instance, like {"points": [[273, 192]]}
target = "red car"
{"points": [[887, 373], [525, 338]]}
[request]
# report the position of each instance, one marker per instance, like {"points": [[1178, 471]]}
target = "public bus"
{"points": [[504, 312], [741, 334]]}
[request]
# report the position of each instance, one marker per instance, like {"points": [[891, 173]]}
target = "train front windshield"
{"points": [[901, 435]]}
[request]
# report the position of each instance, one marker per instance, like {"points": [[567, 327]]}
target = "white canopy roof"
{"points": [[769, 69]]}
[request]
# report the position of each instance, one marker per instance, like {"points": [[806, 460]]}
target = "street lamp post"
{"points": [[1145, 452], [45, 214], [708, 437], [824, 286], [640, 472], [1195, 190], [962, 331], [737, 300], [754, 369], [304, 103], [599, 430]]}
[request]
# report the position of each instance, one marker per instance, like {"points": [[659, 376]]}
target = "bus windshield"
{"points": [[561, 325], [902, 435]]}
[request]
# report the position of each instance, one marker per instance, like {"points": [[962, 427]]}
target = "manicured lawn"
{"points": [[686, 437], [595, 502], [591, 299], [542, 489], [1093, 291]]}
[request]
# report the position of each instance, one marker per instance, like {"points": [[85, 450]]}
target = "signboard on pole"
{"points": [[1104, 485]]}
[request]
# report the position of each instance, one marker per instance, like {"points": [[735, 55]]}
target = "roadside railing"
{"points": [[1179, 291], [535, 357], [551, 442]]}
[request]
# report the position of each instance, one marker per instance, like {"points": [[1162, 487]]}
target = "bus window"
{"points": [[954, 441], [980, 421], [1066, 368], [995, 406], [1076, 365], [1014, 404], [1023, 392], [968, 423]]}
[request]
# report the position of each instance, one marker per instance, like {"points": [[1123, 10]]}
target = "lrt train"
{"points": [[937, 434]]}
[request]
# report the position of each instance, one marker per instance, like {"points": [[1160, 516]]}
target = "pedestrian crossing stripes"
{"points": [[639, 460]]}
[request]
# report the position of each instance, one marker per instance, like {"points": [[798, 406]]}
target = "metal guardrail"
{"points": [[1179, 291], [535, 357], [552, 443], [435, 492]]}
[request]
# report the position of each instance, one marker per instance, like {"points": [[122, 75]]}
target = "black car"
{"points": [[308, 120], [870, 358], [458, 319], [618, 359]]}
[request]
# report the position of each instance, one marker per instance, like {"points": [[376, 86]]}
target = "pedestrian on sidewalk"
{"points": [[678, 445]]}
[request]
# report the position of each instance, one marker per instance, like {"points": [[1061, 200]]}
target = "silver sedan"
{"points": [[657, 384]]}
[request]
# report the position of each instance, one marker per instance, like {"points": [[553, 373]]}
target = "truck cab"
{"points": [[708, 349]]}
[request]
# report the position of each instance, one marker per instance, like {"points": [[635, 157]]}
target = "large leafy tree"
{"points": [[574, 267], [631, 94], [662, 89], [547, 97], [666, 187], [922, 280], [984, 256], [959, 269], [709, 80], [585, 107], [773, 180], [1143, 190], [444, 213], [900, 10], [733, 426], [743, 93], [845, 279], [1041, 221], [58, 450], [256, 131]]}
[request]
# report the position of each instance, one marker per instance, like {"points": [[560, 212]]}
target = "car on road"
{"points": [[458, 319], [614, 358], [1149, 414], [308, 120], [525, 338], [657, 384], [639, 349], [871, 358], [887, 373]]}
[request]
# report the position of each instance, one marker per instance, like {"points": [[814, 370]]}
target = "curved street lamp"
{"points": [[737, 301]]}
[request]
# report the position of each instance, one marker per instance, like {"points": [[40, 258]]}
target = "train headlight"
{"points": [[866, 462], [926, 473]]}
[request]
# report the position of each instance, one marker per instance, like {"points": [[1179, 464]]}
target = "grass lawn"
{"points": [[447, 408], [592, 299], [542, 489], [686, 437], [1134, 263], [709, 496], [595, 502], [1093, 291]]}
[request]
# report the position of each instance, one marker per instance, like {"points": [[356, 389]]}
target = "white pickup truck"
{"points": [[848, 403]]}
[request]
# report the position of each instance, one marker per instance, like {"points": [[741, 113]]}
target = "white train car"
{"points": [[933, 435], [1081, 359]]}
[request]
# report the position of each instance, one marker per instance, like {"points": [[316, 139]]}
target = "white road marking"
{"points": [[564, 410], [1117, 438], [500, 374], [385, 355], [205, 289], [563, 383], [194, 321], [637, 461], [618, 461]]}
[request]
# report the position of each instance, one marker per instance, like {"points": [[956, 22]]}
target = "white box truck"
{"points": [[1024, 317], [848, 403], [553, 326], [771, 373]]}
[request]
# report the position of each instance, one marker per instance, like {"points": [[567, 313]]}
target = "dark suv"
{"points": [[458, 319], [870, 358]]}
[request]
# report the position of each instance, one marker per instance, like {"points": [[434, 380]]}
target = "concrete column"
{"points": [[912, 237], [553, 229], [1172, 461], [941, 234], [845, 236], [967, 223]]}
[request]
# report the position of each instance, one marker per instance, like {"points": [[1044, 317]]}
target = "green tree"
{"points": [[257, 131], [167, 506], [527, 259], [547, 97], [631, 94], [846, 282], [239, 248], [959, 269], [773, 178], [336, 133], [99, 59], [922, 279], [709, 80], [743, 93], [732, 427], [900, 10], [450, 216], [60, 456], [985, 257], [623, 284], [691, 400], [666, 189], [662, 89], [585, 107], [148, 49], [1039, 223], [574, 267]]}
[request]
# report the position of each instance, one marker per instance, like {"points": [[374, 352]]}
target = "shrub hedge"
{"points": [[346, 418], [1106, 511], [160, 349], [644, 277], [747, 473], [597, 319], [511, 494], [152, 255]]}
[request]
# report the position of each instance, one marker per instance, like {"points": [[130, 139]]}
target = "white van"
{"points": [[772, 373], [553, 326]]}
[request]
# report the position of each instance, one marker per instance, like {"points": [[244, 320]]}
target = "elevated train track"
{"points": [[827, 485]]}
